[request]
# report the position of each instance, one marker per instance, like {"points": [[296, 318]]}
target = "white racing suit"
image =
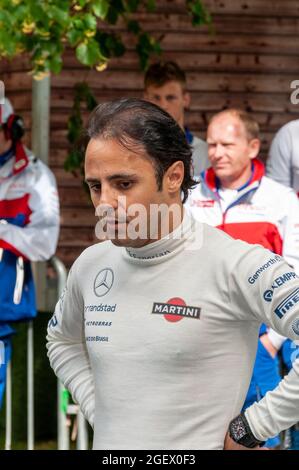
{"points": [[29, 227], [157, 344]]}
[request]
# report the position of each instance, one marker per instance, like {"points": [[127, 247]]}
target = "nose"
{"points": [[218, 151], [108, 196]]}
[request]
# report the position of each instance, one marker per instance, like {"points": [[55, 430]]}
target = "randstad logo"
{"points": [[103, 282]]}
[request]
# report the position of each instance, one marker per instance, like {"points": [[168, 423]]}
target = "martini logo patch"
{"points": [[175, 309]]}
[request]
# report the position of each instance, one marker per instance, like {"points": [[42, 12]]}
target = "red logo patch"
{"points": [[174, 301], [206, 203], [175, 309]]}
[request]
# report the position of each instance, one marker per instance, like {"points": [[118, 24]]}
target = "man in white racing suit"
{"points": [[237, 197], [29, 225], [156, 333], [283, 167]]}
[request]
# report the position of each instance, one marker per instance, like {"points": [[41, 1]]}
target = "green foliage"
{"points": [[43, 29], [147, 46], [100, 8], [151, 5], [83, 95], [198, 12]]}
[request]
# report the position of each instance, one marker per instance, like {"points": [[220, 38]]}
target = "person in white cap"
{"points": [[29, 225]]}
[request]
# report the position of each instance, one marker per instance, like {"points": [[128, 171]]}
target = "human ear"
{"points": [[255, 145], [174, 177]]}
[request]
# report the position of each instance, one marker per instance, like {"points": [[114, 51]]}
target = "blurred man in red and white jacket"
{"points": [[29, 225], [235, 195]]}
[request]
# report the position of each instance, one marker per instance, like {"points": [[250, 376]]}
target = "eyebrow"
{"points": [[113, 177], [212, 142]]}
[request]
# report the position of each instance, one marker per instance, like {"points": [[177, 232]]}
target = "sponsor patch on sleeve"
{"points": [[287, 304]]}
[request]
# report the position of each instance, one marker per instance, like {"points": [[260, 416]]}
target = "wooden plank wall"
{"points": [[249, 61]]}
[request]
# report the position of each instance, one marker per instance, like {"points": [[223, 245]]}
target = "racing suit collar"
{"points": [[17, 162], [21, 160], [161, 250]]}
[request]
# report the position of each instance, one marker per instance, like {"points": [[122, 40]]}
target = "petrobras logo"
{"points": [[263, 268], [175, 309], [287, 304], [295, 326], [278, 282]]}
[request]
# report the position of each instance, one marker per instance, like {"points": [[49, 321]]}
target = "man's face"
{"points": [[171, 97], [119, 179], [230, 151]]}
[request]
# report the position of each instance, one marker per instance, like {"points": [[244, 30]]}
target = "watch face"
{"points": [[238, 429]]}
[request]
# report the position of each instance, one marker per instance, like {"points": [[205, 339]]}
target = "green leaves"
{"points": [[147, 46], [75, 158], [55, 64], [132, 5], [100, 8], [42, 29], [74, 36], [133, 26], [151, 5], [87, 54], [199, 13], [58, 15], [110, 44], [90, 22], [74, 161]]}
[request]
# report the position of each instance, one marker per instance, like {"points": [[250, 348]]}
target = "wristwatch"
{"points": [[239, 430]]}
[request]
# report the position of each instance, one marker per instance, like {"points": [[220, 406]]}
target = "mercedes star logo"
{"points": [[103, 282]]}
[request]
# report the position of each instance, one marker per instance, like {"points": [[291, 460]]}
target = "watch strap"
{"points": [[240, 432]]}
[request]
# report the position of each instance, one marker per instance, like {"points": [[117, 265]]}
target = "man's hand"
{"points": [[264, 339], [230, 444]]}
